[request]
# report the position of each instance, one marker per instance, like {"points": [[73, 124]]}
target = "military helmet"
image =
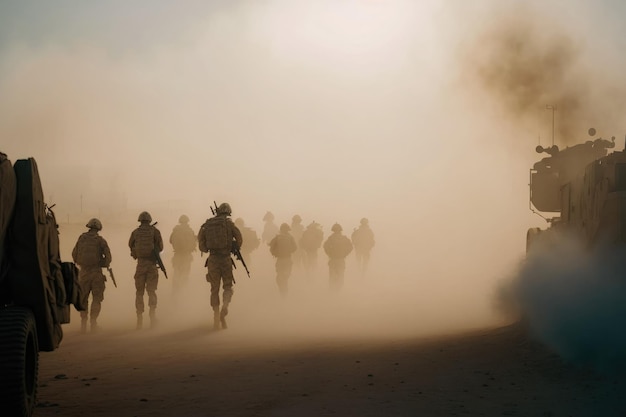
{"points": [[224, 208], [183, 219], [268, 216], [364, 221], [239, 222], [94, 224], [296, 218], [285, 228], [144, 216], [336, 227]]}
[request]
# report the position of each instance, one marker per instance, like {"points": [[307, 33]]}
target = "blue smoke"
{"points": [[575, 302]]}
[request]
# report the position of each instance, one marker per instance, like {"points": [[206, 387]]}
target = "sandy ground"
{"points": [[200, 372], [399, 345]]}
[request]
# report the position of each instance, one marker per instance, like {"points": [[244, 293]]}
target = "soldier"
{"points": [[337, 247], [310, 242], [282, 247], [269, 229], [250, 240], [145, 244], [217, 236], [297, 229], [183, 240], [91, 253], [363, 241]]}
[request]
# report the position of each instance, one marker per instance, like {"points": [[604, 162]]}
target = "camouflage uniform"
{"points": [[310, 242], [220, 267], [337, 247], [363, 241], [282, 247], [183, 240], [91, 253], [146, 274], [297, 229], [269, 228]]}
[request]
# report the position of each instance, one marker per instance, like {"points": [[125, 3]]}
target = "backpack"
{"points": [[338, 246], [216, 235], [144, 242], [282, 246], [363, 238], [183, 239], [88, 250]]}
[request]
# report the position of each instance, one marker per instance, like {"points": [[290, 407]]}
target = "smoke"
{"points": [[573, 300], [543, 72], [334, 110]]}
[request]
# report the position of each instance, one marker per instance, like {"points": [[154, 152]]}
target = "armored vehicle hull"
{"points": [[36, 288], [583, 188]]}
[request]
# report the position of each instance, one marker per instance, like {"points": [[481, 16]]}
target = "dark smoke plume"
{"points": [[525, 64]]}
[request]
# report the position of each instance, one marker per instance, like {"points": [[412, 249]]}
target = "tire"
{"points": [[19, 362]]}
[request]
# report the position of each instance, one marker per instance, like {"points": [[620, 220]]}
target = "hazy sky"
{"points": [[420, 115]]}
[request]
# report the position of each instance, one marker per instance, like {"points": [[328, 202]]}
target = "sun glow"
{"points": [[349, 32]]}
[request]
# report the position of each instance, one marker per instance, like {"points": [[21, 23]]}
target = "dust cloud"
{"points": [[397, 111], [573, 300]]}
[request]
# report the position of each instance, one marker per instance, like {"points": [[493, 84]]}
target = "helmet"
{"points": [[144, 216], [336, 227], [296, 218], [239, 222], [268, 216], [183, 219], [364, 221], [224, 208], [285, 228], [94, 224]]}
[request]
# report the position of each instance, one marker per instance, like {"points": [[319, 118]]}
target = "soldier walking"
{"points": [[145, 244], [269, 228], [91, 253], [282, 246], [297, 229], [310, 242], [337, 247], [363, 242], [217, 236], [183, 241]]}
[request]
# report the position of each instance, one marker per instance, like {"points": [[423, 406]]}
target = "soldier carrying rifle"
{"points": [[91, 253], [219, 236], [146, 245]]}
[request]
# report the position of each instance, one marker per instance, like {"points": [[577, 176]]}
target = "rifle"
{"points": [[157, 257], [159, 262], [235, 250], [111, 275]]}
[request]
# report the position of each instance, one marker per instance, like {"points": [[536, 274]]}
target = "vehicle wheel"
{"points": [[19, 362]]}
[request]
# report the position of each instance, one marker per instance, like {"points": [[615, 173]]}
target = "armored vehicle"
{"points": [[36, 287], [581, 192]]}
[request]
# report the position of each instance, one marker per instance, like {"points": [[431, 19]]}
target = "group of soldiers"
{"points": [[220, 237]]}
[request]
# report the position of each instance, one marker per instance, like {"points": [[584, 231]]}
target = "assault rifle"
{"points": [[235, 248], [111, 275], [159, 262], [157, 257]]}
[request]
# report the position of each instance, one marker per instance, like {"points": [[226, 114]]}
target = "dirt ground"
{"points": [[201, 372]]}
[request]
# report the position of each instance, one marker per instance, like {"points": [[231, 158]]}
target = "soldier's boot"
{"points": [[94, 326], [83, 324], [223, 315], [153, 320], [216, 318], [139, 321]]}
